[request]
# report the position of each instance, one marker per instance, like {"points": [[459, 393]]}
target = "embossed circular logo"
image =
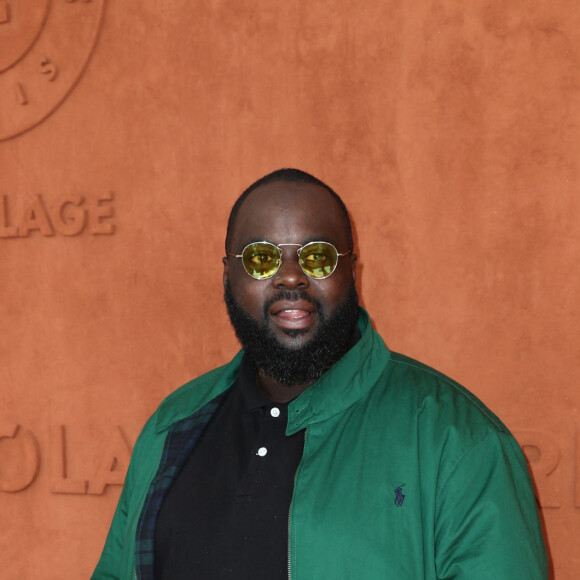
{"points": [[44, 48]]}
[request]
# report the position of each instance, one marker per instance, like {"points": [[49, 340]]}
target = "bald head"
{"points": [[287, 176]]}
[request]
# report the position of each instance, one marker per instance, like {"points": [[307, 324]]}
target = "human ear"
{"points": [[226, 270], [353, 259]]}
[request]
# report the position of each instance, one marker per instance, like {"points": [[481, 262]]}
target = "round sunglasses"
{"points": [[262, 260]]}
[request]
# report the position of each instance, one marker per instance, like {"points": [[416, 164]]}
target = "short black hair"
{"points": [[288, 175]]}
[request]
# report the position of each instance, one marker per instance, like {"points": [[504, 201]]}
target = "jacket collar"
{"points": [[345, 383]]}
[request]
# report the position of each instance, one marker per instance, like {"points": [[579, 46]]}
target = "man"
{"points": [[317, 453]]}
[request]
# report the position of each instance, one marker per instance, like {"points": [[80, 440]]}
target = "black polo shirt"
{"points": [[226, 514]]}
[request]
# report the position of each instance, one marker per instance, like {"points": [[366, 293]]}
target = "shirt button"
{"points": [[275, 412], [262, 451]]}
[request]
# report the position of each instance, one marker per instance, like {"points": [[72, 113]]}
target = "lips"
{"points": [[295, 314]]}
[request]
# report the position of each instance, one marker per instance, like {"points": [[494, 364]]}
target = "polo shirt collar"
{"points": [[252, 398]]}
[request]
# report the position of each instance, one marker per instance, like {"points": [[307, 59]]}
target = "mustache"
{"points": [[293, 295]]}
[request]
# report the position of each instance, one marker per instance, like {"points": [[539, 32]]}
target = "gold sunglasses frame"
{"points": [[298, 251]]}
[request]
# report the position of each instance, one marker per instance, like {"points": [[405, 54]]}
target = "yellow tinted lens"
{"points": [[318, 259], [261, 260]]}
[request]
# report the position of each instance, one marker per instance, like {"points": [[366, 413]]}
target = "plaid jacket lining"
{"points": [[179, 443]]}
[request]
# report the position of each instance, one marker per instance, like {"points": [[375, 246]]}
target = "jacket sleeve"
{"points": [[117, 560], [487, 524], [117, 557], [110, 562]]}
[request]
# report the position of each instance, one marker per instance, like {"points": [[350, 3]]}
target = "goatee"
{"points": [[306, 362]]}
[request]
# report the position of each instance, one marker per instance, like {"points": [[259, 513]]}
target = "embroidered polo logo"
{"points": [[399, 496]]}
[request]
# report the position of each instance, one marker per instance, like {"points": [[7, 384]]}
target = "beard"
{"points": [[303, 363]]}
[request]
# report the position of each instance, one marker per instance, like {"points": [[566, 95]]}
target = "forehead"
{"points": [[283, 212]]}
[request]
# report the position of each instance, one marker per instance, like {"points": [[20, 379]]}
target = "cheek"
{"points": [[249, 294], [336, 289]]}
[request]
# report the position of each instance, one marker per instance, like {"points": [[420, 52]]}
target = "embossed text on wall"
{"points": [[68, 215], [39, 62], [21, 456], [546, 458]]}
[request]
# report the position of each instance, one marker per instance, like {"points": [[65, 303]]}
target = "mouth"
{"points": [[295, 314]]}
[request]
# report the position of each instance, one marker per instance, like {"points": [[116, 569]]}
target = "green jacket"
{"points": [[405, 476]]}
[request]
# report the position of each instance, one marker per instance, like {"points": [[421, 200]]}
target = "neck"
{"points": [[278, 392]]}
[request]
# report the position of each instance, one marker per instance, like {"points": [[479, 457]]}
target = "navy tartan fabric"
{"points": [[178, 445]]}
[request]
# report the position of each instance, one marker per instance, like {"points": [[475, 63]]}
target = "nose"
{"points": [[290, 274]]}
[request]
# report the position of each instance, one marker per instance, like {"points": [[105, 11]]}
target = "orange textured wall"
{"points": [[452, 130]]}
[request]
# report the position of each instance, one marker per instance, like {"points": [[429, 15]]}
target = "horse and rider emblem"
{"points": [[399, 496]]}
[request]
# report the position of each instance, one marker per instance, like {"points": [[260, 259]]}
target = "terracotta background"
{"points": [[451, 129]]}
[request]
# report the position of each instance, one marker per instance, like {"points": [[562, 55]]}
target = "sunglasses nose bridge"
{"points": [[290, 273]]}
